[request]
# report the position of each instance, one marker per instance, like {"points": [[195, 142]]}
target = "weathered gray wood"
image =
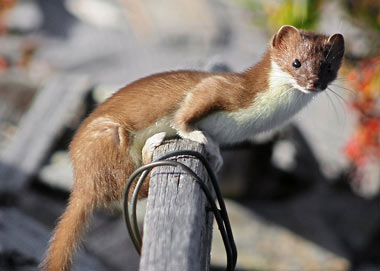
{"points": [[38, 128], [21, 234], [177, 227]]}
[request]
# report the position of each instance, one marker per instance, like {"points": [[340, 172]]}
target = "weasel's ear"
{"points": [[285, 32], [336, 42]]}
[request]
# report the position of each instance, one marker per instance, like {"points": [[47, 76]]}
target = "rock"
{"points": [[58, 173], [366, 179], [101, 13], [263, 245], [24, 241], [283, 155]]}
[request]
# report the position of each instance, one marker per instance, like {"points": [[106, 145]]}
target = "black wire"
{"points": [[218, 193], [221, 215], [209, 198]]}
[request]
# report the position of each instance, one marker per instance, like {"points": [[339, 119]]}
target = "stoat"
{"points": [[209, 108]]}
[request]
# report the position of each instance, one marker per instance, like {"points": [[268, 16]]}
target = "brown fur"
{"points": [[104, 150], [100, 148], [314, 51]]}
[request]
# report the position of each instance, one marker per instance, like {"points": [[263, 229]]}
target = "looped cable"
{"points": [[220, 215]]}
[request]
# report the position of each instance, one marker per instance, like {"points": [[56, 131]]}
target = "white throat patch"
{"points": [[279, 77], [270, 109]]}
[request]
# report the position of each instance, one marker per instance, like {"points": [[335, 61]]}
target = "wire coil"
{"points": [[220, 213]]}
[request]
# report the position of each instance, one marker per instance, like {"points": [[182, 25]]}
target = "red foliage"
{"points": [[364, 145]]}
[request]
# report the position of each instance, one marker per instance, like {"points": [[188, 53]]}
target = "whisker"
{"points": [[341, 102], [288, 89], [352, 91], [337, 95], [341, 77], [333, 106]]}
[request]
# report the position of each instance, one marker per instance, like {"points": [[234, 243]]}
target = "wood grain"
{"points": [[177, 227]]}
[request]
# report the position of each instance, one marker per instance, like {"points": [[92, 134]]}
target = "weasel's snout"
{"points": [[315, 85]]}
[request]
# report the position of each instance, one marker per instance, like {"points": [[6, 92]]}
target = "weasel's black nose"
{"points": [[313, 84], [316, 84]]}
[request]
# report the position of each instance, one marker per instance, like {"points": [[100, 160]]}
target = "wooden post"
{"points": [[177, 227]]}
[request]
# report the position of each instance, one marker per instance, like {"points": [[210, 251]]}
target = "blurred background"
{"points": [[302, 198]]}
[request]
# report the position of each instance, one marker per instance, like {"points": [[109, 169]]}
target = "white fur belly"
{"points": [[269, 110]]}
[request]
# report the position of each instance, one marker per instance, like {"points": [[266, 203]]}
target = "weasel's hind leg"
{"points": [[101, 166]]}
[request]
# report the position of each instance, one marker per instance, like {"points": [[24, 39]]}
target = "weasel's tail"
{"points": [[67, 234]]}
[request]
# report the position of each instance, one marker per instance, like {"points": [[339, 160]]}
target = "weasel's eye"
{"points": [[296, 63]]}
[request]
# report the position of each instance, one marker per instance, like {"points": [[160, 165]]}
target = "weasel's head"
{"points": [[311, 61]]}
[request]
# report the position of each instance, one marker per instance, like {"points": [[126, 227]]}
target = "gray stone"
{"points": [[263, 245], [58, 172], [22, 236]]}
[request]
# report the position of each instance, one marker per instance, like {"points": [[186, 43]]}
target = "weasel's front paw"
{"points": [[212, 149], [197, 136], [150, 144]]}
